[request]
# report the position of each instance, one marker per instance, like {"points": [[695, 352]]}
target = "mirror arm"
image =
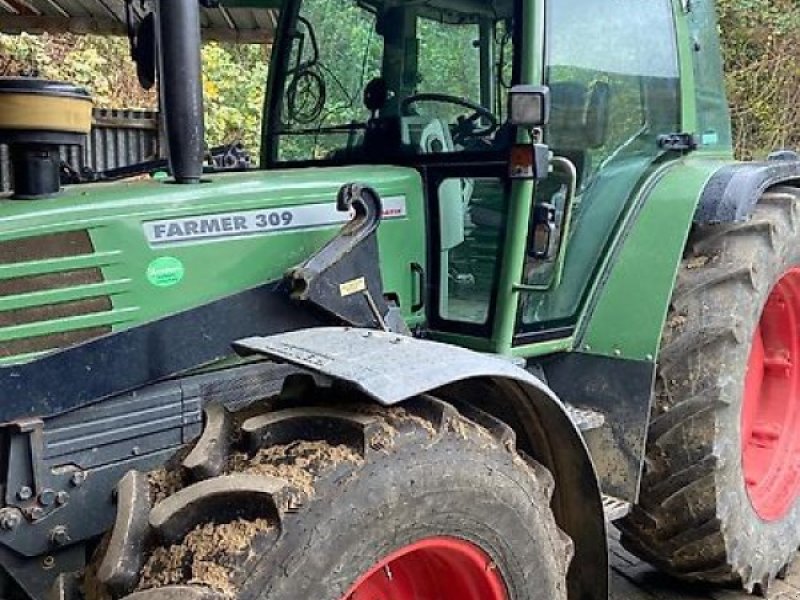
{"points": [[567, 168]]}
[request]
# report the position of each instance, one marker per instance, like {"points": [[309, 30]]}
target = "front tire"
{"points": [[718, 501], [363, 502]]}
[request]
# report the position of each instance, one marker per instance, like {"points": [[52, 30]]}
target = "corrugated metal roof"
{"points": [[247, 25]]}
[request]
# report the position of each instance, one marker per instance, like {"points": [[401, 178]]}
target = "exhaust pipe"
{"points": [[181, 86]]}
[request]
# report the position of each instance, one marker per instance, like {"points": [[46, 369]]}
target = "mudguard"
{"points": [[733, 191], [391, 368]]}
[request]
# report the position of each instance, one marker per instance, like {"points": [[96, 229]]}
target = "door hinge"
{"points": [[678, 142]]}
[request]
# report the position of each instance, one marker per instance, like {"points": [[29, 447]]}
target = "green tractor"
{"points": [[497, 280]]}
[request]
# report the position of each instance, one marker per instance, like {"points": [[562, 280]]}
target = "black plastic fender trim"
{"points": [[129, 359], [733, 191]]}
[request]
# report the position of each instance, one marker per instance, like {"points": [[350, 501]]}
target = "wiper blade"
{"points": [[345, 128]]}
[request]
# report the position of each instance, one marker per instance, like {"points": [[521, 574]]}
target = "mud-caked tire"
{"points": [[351, 502], [719, 494]]}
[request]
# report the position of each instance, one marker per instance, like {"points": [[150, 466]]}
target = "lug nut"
{"points": [[59, 536], [62, 498], [36, 513], [9, 518], [47, 497], [25, 493], [77, 479]]}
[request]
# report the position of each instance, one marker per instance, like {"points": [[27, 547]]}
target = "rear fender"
{"points": [[389, 368]]}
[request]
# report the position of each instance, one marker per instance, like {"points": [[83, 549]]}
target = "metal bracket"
{"points": [[343, 278], [38, 577], [27, 485], [678, 142]]}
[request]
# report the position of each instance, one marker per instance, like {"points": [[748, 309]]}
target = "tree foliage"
{"points": [[234, 82], [100, 64], [760, 45], [234, 77]]}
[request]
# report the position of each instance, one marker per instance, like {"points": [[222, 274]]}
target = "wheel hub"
{"points": [[439, 567], [770, 425]]}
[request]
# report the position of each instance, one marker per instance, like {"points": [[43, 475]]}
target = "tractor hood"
{"points": [[87, 205], [104, 257]]}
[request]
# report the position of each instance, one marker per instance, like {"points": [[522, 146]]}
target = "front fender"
{"points": [[391, 368], [388, 367]]}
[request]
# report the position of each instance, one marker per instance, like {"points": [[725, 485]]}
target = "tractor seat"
{"points": [[579, 121]]}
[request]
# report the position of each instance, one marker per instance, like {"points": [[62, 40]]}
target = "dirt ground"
{"points": [[633, 579]]}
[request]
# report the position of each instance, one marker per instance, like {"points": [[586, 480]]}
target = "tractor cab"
{"points": [[424, 87], [429, 86]]}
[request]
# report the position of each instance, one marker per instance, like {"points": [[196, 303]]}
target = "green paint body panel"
{"points": [[113, 215], [632, 303], [629, 303]]}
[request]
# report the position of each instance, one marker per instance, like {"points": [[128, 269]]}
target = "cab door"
{"points": [[465, 172]]}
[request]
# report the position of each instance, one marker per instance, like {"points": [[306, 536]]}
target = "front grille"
{"points": [[52, 294], [28, 284], [41, 247]]}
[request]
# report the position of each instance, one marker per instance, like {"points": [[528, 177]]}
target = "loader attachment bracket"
{"points": [[343, 279]]}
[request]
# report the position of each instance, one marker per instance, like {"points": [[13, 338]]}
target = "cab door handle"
{"points": [[417, 269]]}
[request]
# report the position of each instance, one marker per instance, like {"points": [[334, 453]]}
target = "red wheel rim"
{"points": [[771, 407], [438, 568]]}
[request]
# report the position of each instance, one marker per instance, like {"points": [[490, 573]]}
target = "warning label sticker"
{"points": [[257, 222]]}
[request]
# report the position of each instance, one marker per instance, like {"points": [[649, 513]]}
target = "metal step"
{"points": [[585, 419], [615, 508]]}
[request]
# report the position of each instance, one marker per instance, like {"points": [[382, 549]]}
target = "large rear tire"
{"points": [[361, 503], [718, 501]]}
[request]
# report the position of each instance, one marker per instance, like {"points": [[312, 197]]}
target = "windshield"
{"points": [[372, 82]]}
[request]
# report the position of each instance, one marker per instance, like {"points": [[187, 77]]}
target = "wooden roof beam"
{"points": [[36, 25]]}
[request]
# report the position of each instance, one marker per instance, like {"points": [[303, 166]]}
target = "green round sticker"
{"points": [[165, 271]]}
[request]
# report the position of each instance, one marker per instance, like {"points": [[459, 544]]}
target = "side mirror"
{"points": [[529, 105]]}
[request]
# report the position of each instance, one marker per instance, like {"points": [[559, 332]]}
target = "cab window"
{"points": [[368, 82], [615, 90]]}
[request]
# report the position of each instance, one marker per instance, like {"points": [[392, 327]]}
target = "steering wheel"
{"points": [[466, 127]]}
